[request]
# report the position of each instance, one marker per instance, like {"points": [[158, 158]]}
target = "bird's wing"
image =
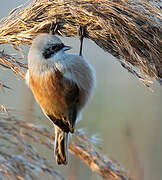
{"points": [[70, 94]]}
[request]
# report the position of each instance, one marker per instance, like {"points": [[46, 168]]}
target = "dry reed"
{"points": [[19, 159], [129, 30]]}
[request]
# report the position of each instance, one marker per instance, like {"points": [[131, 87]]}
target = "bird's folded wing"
{"points": [[70, 94]]}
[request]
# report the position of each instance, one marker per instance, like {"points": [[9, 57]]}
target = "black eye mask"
{"points": [[53, 49]]}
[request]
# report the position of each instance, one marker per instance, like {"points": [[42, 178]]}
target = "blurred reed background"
{"points": [[125, 114]]}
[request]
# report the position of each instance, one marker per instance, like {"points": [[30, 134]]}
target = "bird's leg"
{"points": [[55, 28], [81, 33]]}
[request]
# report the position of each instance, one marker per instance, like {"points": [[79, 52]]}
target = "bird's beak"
{"points": [[65, 48]]}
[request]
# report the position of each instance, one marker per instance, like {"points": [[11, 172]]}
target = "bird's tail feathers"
{"points": [[61, 146]]}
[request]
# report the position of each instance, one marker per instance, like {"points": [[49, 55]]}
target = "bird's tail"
{"points": [[61, 146]]}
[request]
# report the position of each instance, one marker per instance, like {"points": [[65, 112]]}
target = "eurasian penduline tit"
{"points": [[62, 84]]}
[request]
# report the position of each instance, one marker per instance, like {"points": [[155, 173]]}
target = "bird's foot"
{"points": [[55, 28]]}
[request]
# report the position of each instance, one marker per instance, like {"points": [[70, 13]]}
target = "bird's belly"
{"points": [[47, 92]]}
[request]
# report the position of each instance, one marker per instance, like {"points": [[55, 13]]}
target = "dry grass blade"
{"points": [[129, 30], [96, 161], [18, 158], [3, 86], [10, 62], [3, 108]]}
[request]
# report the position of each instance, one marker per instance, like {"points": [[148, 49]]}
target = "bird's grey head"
{"points": [[48, 45]]}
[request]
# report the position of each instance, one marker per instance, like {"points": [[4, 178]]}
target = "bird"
{"points": [[62, 84]]}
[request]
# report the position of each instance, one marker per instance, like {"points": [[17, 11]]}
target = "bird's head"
{"points": [[48, 45]]}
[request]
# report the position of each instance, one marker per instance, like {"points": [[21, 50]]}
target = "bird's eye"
{"points": [[57, 47], [54, 47]]}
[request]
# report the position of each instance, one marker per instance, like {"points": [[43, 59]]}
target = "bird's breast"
{"points": [[47, 90]]}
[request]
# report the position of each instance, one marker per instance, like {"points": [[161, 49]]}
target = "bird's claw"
{"points": [[55, 28]]}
